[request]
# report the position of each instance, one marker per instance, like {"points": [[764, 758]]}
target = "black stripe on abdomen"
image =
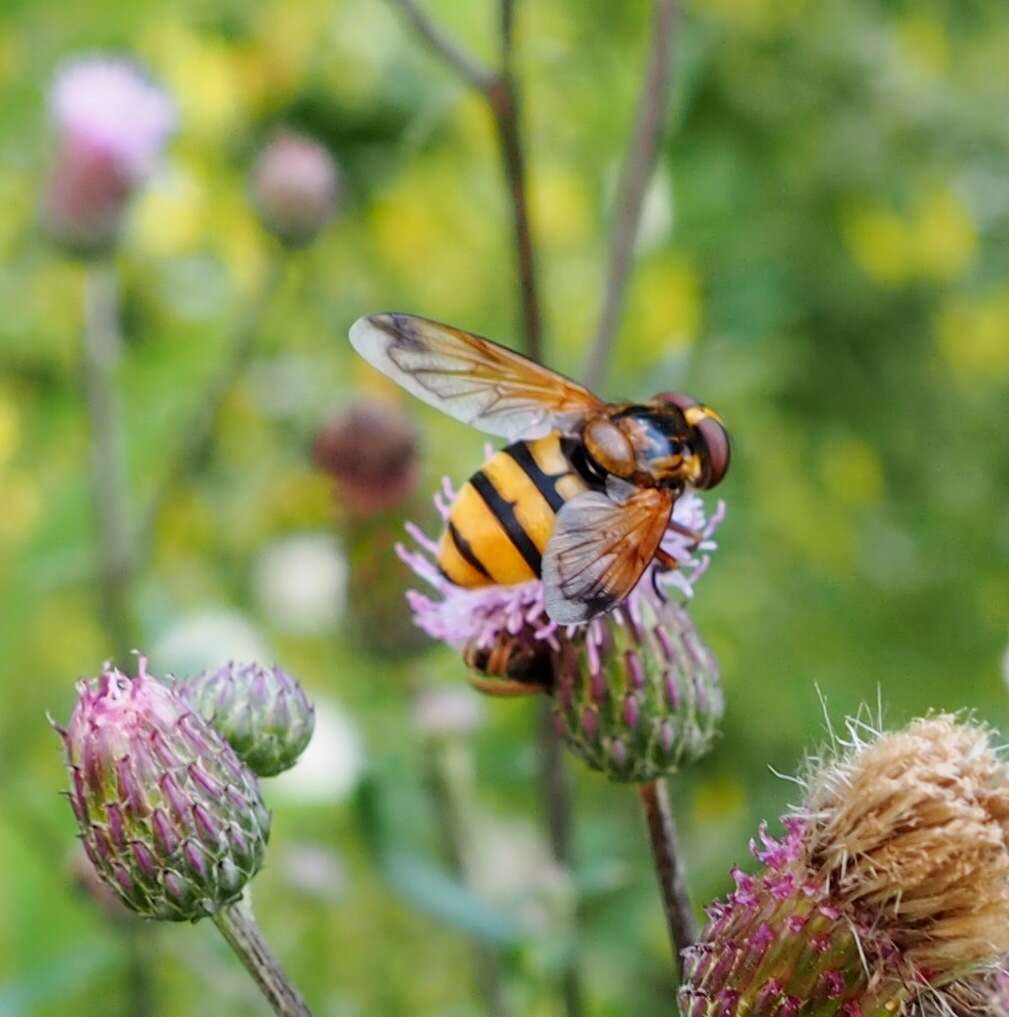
{"points": [[544, 482], [465, 549], [504, 512]]}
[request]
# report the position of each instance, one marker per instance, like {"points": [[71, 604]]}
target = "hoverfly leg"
{"points": [[666, 560], [657, 586], [684, 531]]}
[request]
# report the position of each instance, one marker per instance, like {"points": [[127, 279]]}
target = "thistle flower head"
{"points": [[112, 124], [110, 104], [295, 187], [888, 893], [168, 815], [638, 695], [481, 616], [370, 450], [262, 712]]}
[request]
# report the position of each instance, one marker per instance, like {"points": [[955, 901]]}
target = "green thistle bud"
{"points": [[262, 712], [637, 692], [888, 894], [167, 813]]}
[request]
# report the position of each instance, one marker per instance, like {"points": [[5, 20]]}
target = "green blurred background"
{"points": [[823, 257]]}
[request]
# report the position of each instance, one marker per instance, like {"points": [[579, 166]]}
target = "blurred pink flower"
{"points": [[295, 187], [112, 124], [112, 106]]}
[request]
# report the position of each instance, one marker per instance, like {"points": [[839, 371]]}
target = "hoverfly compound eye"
{"points": [[679, 399], [717, 450]]}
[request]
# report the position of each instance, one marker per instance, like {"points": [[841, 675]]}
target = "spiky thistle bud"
{"points": [[295, 188], [262, 712], [637, 692], [889, 892], [169, 816]]}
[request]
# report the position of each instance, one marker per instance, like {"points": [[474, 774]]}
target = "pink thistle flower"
{"points": [[887, 895], [480, 616], [112, 125], [110, 105]]}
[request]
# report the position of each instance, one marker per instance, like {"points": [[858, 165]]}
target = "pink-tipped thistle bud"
{"points": [[371, 452], [168, 815], [262, 712], [295, 188], [112, 124], [637, 692], [888, 894]]}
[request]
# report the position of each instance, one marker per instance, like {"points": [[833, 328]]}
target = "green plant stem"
{"points": [[448, 798], [669, 867], [140, 986], [238, 926], [198, 430], [639, 162], [102, 344]]}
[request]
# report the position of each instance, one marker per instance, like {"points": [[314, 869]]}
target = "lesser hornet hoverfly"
{"points": [[583, 492]]}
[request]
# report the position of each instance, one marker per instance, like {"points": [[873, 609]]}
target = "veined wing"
{"points": [[599, 549], [471, 378]]}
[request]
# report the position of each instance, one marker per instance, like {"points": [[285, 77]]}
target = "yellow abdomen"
{"points": [[504, 515]]}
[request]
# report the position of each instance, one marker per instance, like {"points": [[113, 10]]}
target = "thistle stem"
{"points": [[448, 799], [139, 982], [102, 343], [556, 792], [238, 926], [198, 430], [639, 161], [500, 90], [669, 866]]}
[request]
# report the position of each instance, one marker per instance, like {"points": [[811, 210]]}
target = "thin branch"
{"points": [[475, 74], [669, 867], [501, 92], [639, 161], [198, 431], [238, 926], [102, 348]]}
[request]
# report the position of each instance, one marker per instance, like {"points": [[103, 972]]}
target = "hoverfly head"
{"points": [[707, 437]]}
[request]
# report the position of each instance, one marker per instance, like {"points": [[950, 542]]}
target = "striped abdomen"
{"points": [[504, 515]]}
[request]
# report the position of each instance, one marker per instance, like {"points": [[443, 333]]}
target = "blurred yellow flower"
{"points": [[851, 471], [187, 524], [434, 230], [300, 498], [171, 215], [935, 241], [665, 305], [944, 237], [923, 41], [756, 16], [972, 336], [10, 427], [204, 74], [560, 207], [20, 505], [880, 244]]}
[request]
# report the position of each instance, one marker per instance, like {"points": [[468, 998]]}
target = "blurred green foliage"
{"points": [[823, 258]]}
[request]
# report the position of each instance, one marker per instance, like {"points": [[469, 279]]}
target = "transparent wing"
{"points": [[599, 549], [471, 378]]}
